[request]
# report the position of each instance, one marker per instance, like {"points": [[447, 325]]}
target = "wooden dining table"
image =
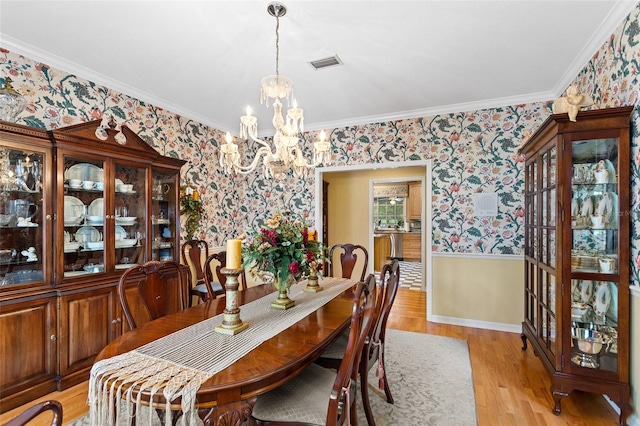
{"points": [[227, 398]]}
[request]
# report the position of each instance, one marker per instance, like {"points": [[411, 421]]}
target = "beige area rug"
{"points": [[430, 378]]}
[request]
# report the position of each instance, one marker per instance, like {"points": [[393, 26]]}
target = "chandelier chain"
{"points": [[277, 46]]}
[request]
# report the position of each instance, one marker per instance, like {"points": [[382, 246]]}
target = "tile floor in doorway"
{"points": [[410, 275]]}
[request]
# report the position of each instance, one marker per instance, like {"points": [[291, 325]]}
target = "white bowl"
{"points": [[94, 267], [94, 245], [126, 220], [71, 246], [95, 219], [126, 242]]}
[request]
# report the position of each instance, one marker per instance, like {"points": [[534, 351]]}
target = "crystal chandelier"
{"points": [[11, 102], [284, 153]]}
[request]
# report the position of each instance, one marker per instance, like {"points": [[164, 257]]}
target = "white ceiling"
{"points": [[205, 59]]}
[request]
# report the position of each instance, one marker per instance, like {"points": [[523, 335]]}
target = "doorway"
{"points": [[350, 218], [397, 212]]}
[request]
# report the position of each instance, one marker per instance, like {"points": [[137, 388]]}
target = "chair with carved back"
{"points": [[152, 290], [35, 410], [219, 259], [303, 399], [194, 253], [349, 255], [374, 347]]}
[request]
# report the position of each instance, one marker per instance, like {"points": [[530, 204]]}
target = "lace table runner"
{"points": [[177, 364]]}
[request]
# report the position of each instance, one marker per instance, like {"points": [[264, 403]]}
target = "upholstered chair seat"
{"points": [[302, 399]]}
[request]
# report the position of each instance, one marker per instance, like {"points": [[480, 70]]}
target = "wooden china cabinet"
{"points": [[103, 200], [577, 253]]}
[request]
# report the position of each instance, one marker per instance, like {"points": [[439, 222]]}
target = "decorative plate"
{"points": [[88, 234], [85, 171], [96, 208], [121, 234], [73, 209]]}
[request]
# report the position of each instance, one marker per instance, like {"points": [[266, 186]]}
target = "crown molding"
{"points": [[610, 23], [37, 54], [600, 35]]}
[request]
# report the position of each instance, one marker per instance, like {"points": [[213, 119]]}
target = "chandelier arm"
{"points": [[300, 157], [261, 142], [261, 152]]}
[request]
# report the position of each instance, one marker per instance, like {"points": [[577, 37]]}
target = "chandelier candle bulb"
{"points": [[234, 254], [248, 125]]}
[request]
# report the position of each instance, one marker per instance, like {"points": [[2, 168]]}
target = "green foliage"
{"points": [[192, 209], [283, 249]]}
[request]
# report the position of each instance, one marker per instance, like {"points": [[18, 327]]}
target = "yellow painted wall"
{"points": [[349, 202], [348, 205], [479, 289]]}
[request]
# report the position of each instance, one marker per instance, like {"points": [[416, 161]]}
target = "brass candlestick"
{"points": [[312, 281], [312, 284], [231, 323]]}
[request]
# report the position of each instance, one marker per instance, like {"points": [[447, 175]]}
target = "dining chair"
{"points": [[303, 399], [373, 349], [194, 253], [35, 410], [349, 255], [220, 261], [152, 290]]}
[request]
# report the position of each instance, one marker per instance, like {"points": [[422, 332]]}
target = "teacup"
{"points": [[99, 186], [88, 184], [607, 265], [75, 183]]}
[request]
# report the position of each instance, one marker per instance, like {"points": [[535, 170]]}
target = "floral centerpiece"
{"points": [[283, 249]]}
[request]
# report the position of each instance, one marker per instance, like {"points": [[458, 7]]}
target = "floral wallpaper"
{"points": [[472, 151]]}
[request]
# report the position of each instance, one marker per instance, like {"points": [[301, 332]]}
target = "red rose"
{"points": [[294, 268]]}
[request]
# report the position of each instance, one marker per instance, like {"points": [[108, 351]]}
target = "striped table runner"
{"points": [[177, 364]]}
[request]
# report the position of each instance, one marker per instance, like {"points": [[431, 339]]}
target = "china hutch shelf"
{"points": [[79, 205], [577, 253]]}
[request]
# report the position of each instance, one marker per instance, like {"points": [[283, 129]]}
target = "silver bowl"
{"points": [[589, 343]]}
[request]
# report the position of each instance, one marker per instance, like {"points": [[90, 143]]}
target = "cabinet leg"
{"points": [[625, 411], [557, 397], [524, 341]]}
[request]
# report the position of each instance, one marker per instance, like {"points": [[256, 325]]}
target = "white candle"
{"points": [[234, 254]]}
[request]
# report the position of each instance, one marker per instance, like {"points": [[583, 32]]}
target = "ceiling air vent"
{"points": [[326, 62]]}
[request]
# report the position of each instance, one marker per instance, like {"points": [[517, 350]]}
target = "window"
{"points": [[388, 211]]}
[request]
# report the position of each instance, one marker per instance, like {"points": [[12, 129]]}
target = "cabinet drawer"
{"points": [[411, 242]]}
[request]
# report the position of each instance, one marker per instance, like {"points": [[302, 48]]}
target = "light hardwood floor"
{"points": [[511, 386]]}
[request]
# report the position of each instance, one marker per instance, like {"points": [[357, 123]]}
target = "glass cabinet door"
{"points": [[83, 216], [130, 215], [164, 217], [594, 253], [22, 219]]}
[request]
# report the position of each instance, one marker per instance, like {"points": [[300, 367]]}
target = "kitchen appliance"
{"points": [[395, 239]]}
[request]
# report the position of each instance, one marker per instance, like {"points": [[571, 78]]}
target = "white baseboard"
{"points": [[510, 328], [633, 420]]}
